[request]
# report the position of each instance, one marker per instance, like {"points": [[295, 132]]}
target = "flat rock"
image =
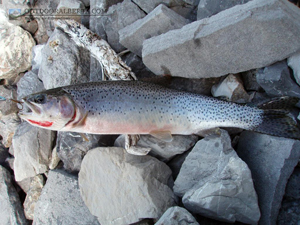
{"points": [[33, 194], [63, 62], [161, 149], [29, 84], [120, 188], [8, 107], [208, 8], [8, 127], [15, 56], [276, 80], [294, 63], [205, 47], [32, 150], [232, 89], [158, 21], [216, 183], [271, 161], [60, 202], [11, 210], [72, 147], [177, 216]]}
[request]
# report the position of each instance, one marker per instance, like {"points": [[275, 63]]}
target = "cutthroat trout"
{"points": [[134, 107]]}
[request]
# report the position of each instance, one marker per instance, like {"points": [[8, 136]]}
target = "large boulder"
{"points": [[120, 188], [235, 40]]}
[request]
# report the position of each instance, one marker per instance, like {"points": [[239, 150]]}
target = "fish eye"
{"points": [[39, 99]]}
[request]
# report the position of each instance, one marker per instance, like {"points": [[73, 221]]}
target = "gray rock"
{"points": [[25, 184], [61, 203], [161, 149], [177, 216], [289, 213], [276, 80], [29, 84], [117, 17], [294, 63], [272, 161], [3, 153], [63, 62], [216, 183], [72, 147], [33, 195], [72, 6], [36, 58], [8, 126], [232, 89], [158, 21], [148, 6], [16, 45], [249, 81], [205, 47], [208, 8], [8, 107], [11, 210], [138, 185], [32, 150]]}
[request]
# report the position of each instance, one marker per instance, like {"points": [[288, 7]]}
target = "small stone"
{"points": [[63, 62], [216, 183], [294, 62], [3, 153], [138, 185], [249, 80], [271, 161], [72, 7], [54, 159], [25, 184], [31, 26], [232, 89], [8, 126], [72, 147], [60, 202], [36, 58], [32, 150], [33, 195], [205, 47], [158, 21], [8, 107], [161, 149], [11, 210], [177, 216], [29, 84], [276, 80], [209, 8], [15, 55]]}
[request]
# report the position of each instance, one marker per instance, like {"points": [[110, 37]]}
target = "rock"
{"points": [[117, 17], [158, 21], [15, 56], [176, 163], [276, 80], [3, 153], [176, 216], [290, 213], [11, 210], [32, 150], [210, 8], [8, 126], [294, 63], [216, 183], [292, 190], [37, 58], [29, 84], [72, 147], [73, 9], [232, 89], [54, 159], [63, 62], [161, 149], [205, 47], [271, 161], [8, 107], [30, 26], [25, 184], [15, 8], [249, 81], [138, 185], [33, 195], [61, 203]]}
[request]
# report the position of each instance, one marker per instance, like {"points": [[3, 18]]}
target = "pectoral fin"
{"points": [[162, 135]]}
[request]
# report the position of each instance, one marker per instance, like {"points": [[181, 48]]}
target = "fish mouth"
{"points": [[30, 108]]}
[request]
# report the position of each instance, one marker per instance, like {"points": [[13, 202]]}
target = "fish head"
{"points": [[50, 110]]}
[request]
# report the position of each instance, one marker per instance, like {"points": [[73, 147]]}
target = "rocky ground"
{"points": [[241, 51]]}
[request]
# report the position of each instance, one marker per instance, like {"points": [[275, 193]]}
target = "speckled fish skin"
{"points": [[133, 107]]}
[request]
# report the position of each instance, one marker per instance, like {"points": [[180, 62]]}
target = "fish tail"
{"points": [[278, 123]]}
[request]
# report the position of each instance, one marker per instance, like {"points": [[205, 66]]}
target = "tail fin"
{"points": [[279, 123]]}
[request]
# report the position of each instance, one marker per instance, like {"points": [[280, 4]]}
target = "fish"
{"points": [[135, 107]]}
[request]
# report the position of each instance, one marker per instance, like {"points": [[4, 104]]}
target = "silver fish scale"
{"points": [[142, 104]]}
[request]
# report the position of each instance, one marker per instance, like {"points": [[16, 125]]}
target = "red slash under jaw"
{"points": [[41, 123]]}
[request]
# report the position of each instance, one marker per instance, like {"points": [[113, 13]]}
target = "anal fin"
{"points": [[165, 136]]}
